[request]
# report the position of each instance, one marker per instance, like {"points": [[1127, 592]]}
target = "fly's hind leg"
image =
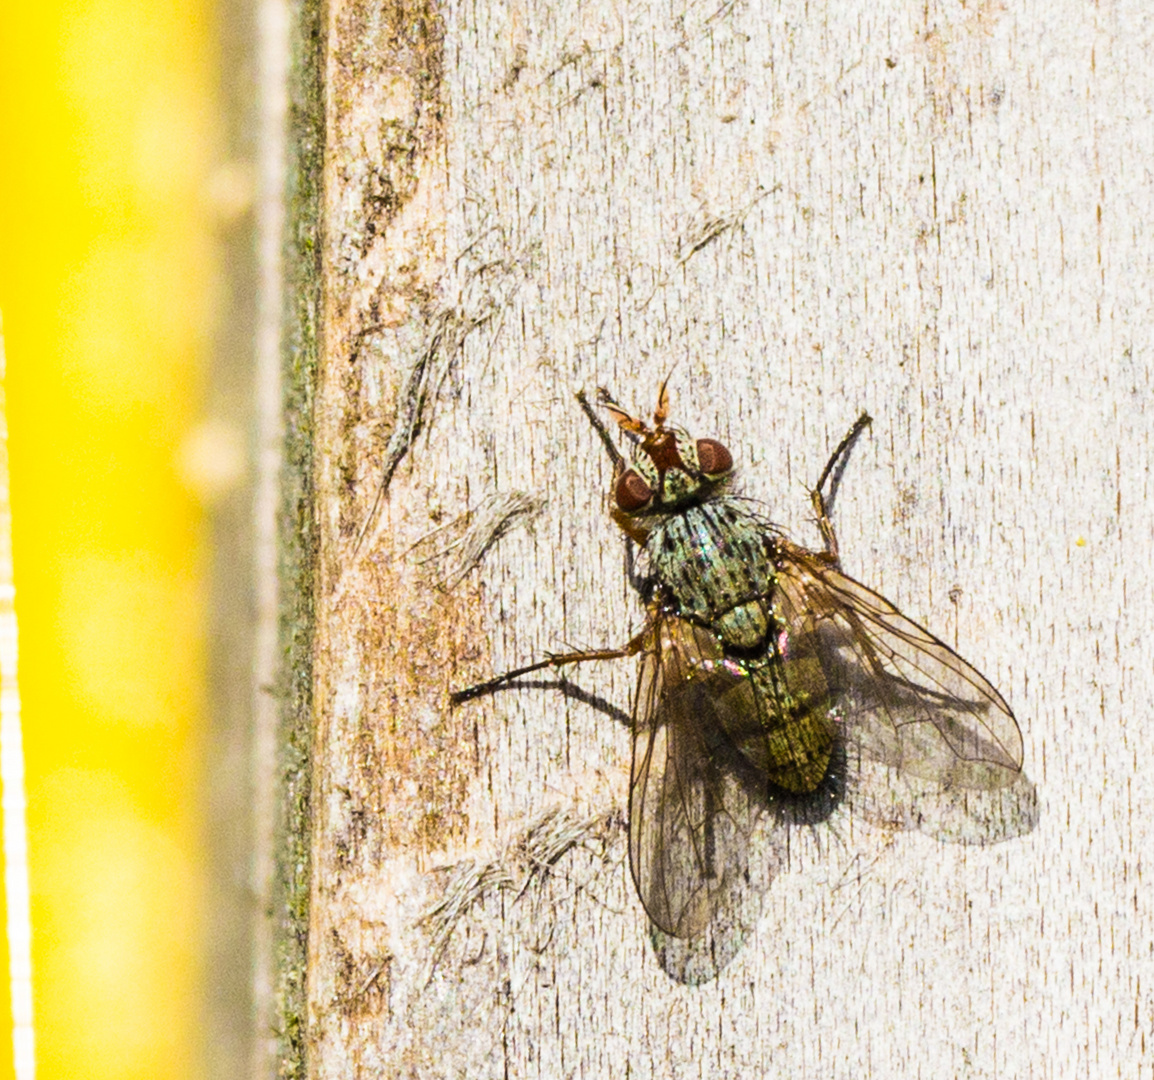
{"points": [[833, 468]]}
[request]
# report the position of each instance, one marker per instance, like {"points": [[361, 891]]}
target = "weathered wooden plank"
{"points": [[934, 212]]}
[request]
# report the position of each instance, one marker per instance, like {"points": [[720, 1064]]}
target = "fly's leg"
{"points": [[633, 534], [824, 524], [603, 434], [556, 660]]}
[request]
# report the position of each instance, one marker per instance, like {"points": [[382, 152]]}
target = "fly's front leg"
{"points": [[554, 660], [635, 537], [634, 533], [603, 434], [642, 584], [824, 523]]}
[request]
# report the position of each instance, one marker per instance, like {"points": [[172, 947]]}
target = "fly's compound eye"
{"points": [[632, 493], [712, 457]]}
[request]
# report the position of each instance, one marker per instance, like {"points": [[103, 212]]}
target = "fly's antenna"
{"points": [[661, 413], [633, 427]]}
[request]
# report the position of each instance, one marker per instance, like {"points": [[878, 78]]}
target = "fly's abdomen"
{"points": [[780, 718], [798, 724]]}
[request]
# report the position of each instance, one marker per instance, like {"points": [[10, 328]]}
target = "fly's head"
{"points": [[670, 469]]}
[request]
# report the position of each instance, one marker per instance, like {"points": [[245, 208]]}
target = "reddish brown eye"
{"points": [[632, 492], [712, 457]]}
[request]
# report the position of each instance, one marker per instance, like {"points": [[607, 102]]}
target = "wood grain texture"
{"points": [[939, 212]]}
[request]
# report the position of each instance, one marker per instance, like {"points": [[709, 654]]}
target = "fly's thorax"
{"points": [[671, 471], [713, 563]]}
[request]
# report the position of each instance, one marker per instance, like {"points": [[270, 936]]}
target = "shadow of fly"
{"points": [[761, 665]]}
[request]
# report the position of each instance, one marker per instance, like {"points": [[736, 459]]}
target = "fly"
{"points": [[758, 658]]}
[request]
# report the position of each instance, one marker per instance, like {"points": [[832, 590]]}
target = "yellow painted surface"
{"points": [[106, 139]]}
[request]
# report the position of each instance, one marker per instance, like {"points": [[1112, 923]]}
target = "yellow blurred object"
{"points": [[107, 143]]}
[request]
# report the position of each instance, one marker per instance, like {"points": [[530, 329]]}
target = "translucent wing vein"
{"points": [[910, 700]]}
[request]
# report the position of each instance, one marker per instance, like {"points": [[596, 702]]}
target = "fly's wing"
{"points": [[907, 698], [692, 805]]}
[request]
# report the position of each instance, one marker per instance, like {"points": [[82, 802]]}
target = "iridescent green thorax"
{"points": [[714, 561]]}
